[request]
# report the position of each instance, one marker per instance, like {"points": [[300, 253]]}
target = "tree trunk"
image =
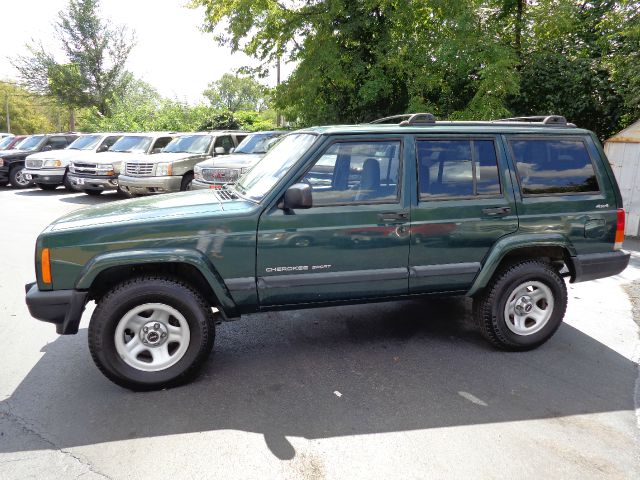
{"points": [[72, 120], [519, 28]]}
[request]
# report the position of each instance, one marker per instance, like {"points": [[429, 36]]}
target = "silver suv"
{"points": [[172, 170]]}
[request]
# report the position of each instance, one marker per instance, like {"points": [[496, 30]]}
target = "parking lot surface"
{"points": [[397, 390]]}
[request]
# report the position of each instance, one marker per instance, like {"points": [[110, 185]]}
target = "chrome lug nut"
{"points": [[145, 329], [156, 326]]}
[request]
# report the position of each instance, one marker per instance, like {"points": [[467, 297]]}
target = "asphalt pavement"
{"points": [[397, 390]]}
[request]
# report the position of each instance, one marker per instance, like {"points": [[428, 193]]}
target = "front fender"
{"points": [[514, 242], [128, 258]]}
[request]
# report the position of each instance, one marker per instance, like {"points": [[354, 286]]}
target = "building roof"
{"points": [[631, 134]]}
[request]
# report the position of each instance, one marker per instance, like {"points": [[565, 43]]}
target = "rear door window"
{"points": [[457, 168], [58, 143], [553, 166]]}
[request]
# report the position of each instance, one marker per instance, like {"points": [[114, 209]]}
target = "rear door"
{"points": [[465, 204], [353, 243]]}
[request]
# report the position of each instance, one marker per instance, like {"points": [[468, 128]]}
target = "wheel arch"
{"points": [[104, 271], [555, 247]]}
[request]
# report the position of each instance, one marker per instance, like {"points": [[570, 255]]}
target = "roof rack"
{"points": [[411, 119], [544, 119]]}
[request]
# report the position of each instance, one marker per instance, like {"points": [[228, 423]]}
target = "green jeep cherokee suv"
{"points": [[499, 211]]}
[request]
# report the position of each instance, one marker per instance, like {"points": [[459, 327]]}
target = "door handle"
{"points": [[393, 217], [493, 211]]}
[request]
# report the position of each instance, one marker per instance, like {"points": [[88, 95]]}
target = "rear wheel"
{"points": [[523, 306], [151, 332], [44, 186], [187, 180], [17, 178]]}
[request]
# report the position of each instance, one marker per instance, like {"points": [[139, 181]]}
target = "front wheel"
{"points": [[187, 180], [523, 306], [17, 178], [150, 333]]}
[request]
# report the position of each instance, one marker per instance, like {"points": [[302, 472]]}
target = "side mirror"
{"points": [[156, 150], [297, 195], [47, 148], [219, 151], [103, 148], [232, 149]]}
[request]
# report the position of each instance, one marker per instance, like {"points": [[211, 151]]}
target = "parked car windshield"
{"points": [[258, 181], [31, 143], [189, 144], [131, 143], [257, 143], [5, 142], [85, 142]]}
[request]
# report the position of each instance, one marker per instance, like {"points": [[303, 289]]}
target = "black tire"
{"points": [[46, 186], [138, 291], [93, 193], [489, 307], [187, 180], [67, 184], [124, 194], [15, 178]]}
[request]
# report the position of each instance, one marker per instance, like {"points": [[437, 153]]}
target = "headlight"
{"points": [[106, 170], [52, 163], [243, 170], [197, 173], [72, 168], [164, 169]]}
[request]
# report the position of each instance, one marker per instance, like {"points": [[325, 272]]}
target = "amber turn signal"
{"points": [[45, 261]]}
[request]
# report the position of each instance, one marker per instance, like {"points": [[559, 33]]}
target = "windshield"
{"points": [[258, 181], [131, 143], [31, 143], [5, 142], [85, 142], [189, 144], [257, 143]]}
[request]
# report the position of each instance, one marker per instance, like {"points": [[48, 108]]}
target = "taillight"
{"points": [[619, 230], [45, 264]]}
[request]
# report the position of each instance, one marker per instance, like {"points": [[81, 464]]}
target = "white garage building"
{"points": [[623, 151]]}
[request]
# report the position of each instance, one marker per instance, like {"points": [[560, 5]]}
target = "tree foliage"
{"points": [[93, 72], [28, 112], [469, 59], [233, 93]]}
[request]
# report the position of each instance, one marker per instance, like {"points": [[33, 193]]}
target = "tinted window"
{"points": [[224, 142], [356, 172], [57, 143], [554, 166], [162, 142], [110, 141], [457, 168]]}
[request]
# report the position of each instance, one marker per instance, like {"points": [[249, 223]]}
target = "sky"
{"points": [[171, 51]]}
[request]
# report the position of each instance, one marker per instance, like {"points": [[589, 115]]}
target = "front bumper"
{"points": [[81, 182], [598, 265], [61, 307], [4, 174], [149, 185], [198, 185], [45, 176]]}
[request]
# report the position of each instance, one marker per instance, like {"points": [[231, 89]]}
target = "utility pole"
{"points": [[6, 106], [278, 117]]}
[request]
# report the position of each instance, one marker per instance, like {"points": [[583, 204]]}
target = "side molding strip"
{"points": [[307, 279], [420, 271]]}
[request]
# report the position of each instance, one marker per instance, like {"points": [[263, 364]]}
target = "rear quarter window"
{"points": [[553, 166]]}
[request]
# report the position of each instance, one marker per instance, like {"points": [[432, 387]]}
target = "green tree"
{"points": [[28, 113], [233, 93], [93, 71]]}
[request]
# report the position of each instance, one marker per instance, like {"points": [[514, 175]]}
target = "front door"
{"points": [[465, 203], [353, 243]]}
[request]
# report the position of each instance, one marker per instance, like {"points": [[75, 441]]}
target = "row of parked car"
{"points": [[132, 163]]}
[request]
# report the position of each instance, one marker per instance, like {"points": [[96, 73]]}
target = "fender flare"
{"points": [[120, 258], [514, 242]]}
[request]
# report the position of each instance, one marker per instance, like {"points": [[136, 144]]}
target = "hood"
{"points": [[183, 205], [11, 153], [64, 154], [235, 160], [110, 157], [165, 157]]}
